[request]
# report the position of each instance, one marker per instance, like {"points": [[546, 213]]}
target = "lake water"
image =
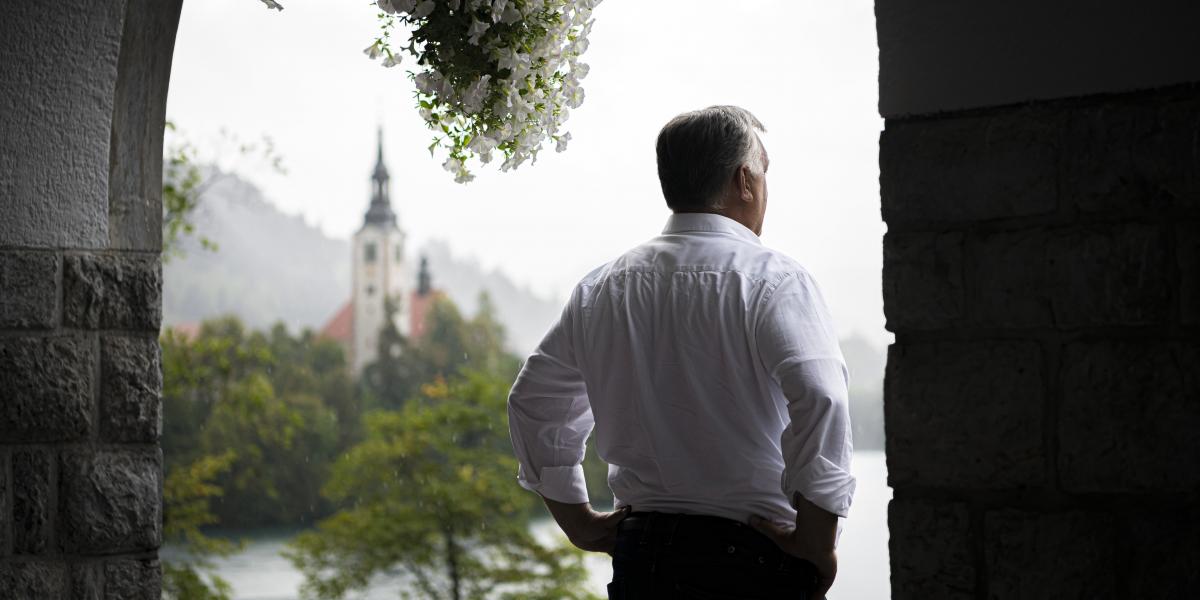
{"points": [[260, 573]]}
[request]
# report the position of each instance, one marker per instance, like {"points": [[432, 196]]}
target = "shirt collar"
{"points": [[684, 222]]}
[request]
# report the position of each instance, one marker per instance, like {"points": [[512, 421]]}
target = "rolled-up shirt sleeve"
{"points": [[798, 346], [549, 417]]}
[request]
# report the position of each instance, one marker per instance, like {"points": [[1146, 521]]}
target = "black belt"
{"points": [[711, 535]]}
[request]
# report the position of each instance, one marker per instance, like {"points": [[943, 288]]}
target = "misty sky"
{"points": [[806, 69]]}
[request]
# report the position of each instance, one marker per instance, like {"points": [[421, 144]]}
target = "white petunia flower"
{"points": [[480, 114], [425, 82], [476, 31], [476, 94], [510, 15]]}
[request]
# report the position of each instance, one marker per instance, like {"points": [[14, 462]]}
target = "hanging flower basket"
{"points": [[493, 77]]}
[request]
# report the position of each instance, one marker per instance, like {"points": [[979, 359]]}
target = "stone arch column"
{"points": [[1040, 178], [83, 91]]}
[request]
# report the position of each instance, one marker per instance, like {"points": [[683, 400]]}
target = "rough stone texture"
{"points": [[1130, 417], [5, 505], [1055, 556], [1010, 287], [1078, 221], [930, 551], [33, 581], [1187, 239], [45, 388], [87, 581], [135, 180], [30, 298], [922, 280], [112, 292], [989, 167], [54, 137], [1111, 275], [965, 414], [84, 91], [1164, 552], [109, 502], [130, 389], [132, 580], [31, 501], [1130, 156]]}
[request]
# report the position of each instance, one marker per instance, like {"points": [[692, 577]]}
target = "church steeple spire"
{"points": [[380, 212]]}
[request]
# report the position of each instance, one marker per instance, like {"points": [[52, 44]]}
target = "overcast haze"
{"points": [[806, 69]]}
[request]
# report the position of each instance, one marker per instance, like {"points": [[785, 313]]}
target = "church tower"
{"points": [[379, 270]]}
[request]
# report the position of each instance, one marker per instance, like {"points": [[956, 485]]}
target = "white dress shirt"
{"points": [[709, 367]]}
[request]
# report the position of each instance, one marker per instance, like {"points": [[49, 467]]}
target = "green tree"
{"points": [[429, 496], [283, 403], [187, 493], [450, 343]]}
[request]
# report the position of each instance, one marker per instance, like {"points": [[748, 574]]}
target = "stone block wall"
{"points": [[80, 297], [80, 418], [1042, 400]]}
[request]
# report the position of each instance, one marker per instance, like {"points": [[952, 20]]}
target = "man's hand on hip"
{"points": [[790, 540], [812, 538], [586, 528]]}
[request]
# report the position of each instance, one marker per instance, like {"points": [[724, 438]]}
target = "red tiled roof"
{"points": [[419, 306], [187, 331], [341, 326]]}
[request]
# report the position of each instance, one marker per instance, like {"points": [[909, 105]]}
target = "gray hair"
{"points": [[700, 151]]}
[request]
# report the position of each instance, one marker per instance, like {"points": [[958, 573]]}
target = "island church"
{"points": [[379, 270]]}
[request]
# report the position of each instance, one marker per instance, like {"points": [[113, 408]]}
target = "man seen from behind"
{"points": [[708, 369]]}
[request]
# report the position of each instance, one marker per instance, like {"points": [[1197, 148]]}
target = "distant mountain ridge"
{"points": [[272, 267]]}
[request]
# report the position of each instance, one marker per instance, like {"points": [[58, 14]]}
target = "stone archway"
{"points": [[1042, 274], [83, 102]]}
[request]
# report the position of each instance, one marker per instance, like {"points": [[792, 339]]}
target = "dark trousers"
{"points": [[664, 556]]}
